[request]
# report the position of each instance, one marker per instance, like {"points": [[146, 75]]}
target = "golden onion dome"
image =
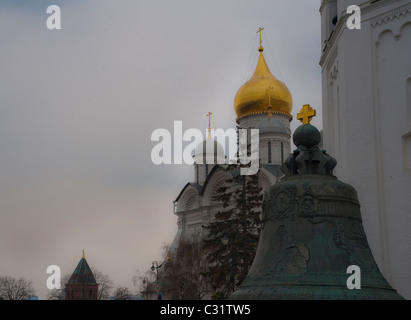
{"points": [[261, 90]]}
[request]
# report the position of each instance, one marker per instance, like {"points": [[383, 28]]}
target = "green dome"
{"points": [[306, 135]]}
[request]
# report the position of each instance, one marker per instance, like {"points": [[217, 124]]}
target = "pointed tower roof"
{"points": [[82, 274]]}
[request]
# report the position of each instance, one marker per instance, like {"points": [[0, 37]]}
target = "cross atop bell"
{"points": [[312, 239]]}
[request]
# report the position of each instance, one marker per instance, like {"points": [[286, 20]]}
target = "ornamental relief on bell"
{"points": [[307, 205], [280, 205], [286, 204]]}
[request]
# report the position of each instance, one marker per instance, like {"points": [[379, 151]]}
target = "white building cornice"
{"points": [[391, 15], [368, 7]]}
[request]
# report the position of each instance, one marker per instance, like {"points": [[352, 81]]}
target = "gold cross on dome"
{"points": [[209, 124], [269, 96], [259, 31], [306, 114], [270, 111], [209, 120]]}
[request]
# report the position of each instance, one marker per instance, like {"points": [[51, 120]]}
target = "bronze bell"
{"points": [[312, 233]]}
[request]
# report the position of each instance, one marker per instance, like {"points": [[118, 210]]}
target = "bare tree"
{"points": [[122, 293], [15, 289], [144, 282], [58, 294], [185, 271], [105, 284]]}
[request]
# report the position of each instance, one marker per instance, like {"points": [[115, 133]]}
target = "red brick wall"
{"points": [[81, 291]]}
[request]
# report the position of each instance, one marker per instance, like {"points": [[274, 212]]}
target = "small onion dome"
{"points": [[271, 125], [209, 150]]}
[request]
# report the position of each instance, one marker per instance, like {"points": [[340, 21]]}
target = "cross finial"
{"points": [[209, 120], [260, 31], [209, 124], [270, 111], [306, 114]]}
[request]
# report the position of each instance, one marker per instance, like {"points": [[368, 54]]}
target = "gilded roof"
{"points": [[260, 91]]}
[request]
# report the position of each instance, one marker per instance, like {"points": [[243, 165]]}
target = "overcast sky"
{"points": [[78, 106]]}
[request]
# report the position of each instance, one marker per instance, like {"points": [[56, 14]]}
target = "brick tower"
{"points": [[82, 285]]}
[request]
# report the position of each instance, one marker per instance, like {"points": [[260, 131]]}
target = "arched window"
{"points": [[269, 153]]}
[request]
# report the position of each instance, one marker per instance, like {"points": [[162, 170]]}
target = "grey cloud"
{"points": [[78, 106]]}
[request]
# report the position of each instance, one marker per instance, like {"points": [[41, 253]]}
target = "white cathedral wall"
{"points": [[328, 10], [200, 173], [263, 150], [276, 139], [194, 210], [367, 128], [393, 68]]}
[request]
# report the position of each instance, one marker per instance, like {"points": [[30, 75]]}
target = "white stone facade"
{"points": [[366, 80]]}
